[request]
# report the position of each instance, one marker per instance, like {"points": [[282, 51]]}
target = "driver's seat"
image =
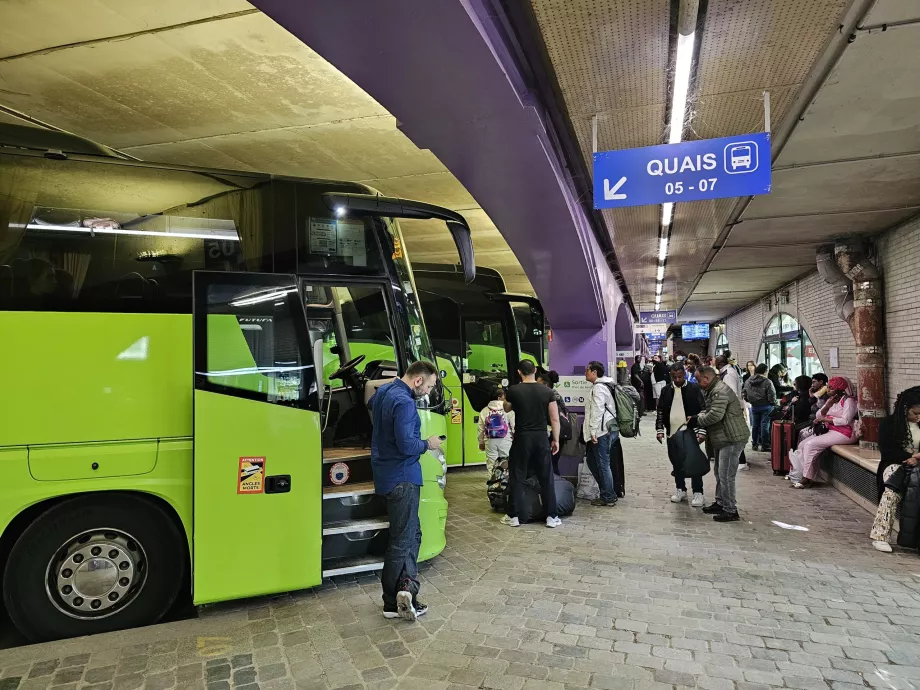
{"points": [[371, 386]]}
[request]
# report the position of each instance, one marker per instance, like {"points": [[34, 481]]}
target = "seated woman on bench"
{"points": [[899, 443], [833, 427]]}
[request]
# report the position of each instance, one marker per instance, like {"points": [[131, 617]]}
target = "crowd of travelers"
{"points": [[699, 403]]}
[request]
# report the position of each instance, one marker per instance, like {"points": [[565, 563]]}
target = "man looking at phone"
{"points": [[396, 446]]}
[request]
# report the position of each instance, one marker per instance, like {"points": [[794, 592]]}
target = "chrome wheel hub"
{"points": [[96, 574]]}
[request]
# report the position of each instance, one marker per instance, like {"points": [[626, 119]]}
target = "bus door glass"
{"points": [[530, 326], [486, 359], [257, 496], [353, 346]]}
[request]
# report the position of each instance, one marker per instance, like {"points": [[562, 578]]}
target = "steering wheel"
{"points": [[347, 368]]}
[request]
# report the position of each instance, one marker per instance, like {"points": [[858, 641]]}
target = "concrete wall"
{"points": [[811, 302]]}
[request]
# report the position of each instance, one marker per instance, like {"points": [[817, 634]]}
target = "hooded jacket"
{"points": [[759, 391]]}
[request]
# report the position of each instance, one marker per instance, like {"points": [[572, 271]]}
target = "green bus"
{"points": [[479, 333], [187, 355]]}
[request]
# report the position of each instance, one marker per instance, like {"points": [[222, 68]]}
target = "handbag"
{"points": [[897, 479], [820, 429], [684, 446]]}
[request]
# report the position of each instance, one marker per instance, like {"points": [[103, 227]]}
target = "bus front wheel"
{"points": [[91, 564]]}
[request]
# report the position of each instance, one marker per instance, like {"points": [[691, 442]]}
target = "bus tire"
{"points": [[94, 563]]}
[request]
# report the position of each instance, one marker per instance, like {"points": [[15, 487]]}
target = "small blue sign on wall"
{"points": [[689, 171]]}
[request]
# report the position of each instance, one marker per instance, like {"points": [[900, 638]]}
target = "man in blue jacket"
{"points": [[396, 446]]}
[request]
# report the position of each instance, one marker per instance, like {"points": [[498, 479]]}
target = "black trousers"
{"points": [[400, 564], [530, 457]]}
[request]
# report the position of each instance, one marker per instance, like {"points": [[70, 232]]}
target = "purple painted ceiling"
{"points": [[439, 67]]}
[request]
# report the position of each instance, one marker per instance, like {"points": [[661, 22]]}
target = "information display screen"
{"points": [[694, 331]]}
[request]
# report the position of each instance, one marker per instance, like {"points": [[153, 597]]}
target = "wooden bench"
{"points": [[851, 470]]}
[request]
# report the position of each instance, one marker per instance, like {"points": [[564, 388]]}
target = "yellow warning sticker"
{"points": [[456, 416], [252, 476]]}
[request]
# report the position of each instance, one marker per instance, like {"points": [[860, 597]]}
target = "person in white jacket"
{"points": [[730, 376], [491, 440], [600, 410]]}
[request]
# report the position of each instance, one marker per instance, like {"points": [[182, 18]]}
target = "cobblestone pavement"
{"points": [[644, 595]]}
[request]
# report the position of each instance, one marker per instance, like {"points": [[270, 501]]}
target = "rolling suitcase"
{"points": [[782, 436]]}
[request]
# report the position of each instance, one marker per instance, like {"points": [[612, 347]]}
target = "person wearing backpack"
{"points": [[550, 379], [496, 430], [600, 431]]}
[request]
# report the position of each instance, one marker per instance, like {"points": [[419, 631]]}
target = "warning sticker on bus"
{"points": [[252, 476]]}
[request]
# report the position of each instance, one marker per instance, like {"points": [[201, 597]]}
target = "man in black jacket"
{"points": [[679, 401]]}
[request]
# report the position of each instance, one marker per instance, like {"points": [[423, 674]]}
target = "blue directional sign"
{"points": [[689, 171], [666, 317]]}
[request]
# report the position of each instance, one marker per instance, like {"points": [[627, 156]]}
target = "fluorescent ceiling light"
{"points": [[202, 234], [681, 86], [660, 273], [662, 249], [262, 297], [667, 210], [658, 289]]}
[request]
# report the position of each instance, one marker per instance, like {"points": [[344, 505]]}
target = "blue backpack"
{"points": [[496, 425]]}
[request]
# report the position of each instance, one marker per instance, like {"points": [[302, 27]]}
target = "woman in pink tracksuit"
{"points": [[839, 416]]}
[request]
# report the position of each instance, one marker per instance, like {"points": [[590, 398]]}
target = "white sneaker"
{"points": [[679, 495], [510, 521], [698, 501], [744, 467], [553, 522], [882, 546]]}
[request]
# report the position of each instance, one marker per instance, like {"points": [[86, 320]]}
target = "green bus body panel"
{"points": [[251, 544], [54, 463], [463, 438], [453, 447], [432, 511], [170, 479], [94, 377]]}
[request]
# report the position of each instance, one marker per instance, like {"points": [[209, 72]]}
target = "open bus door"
{"points": [[529, 325], [257, 447]]}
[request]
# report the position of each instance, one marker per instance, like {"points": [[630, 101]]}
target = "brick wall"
{"points": [[811, 302], [899, 252]]}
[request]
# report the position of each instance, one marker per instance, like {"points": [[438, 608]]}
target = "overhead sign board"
{"points": [[652, 328], [659, 317], [689, 171]]}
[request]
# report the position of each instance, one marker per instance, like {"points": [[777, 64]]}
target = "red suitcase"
{"points": [[782, 437]]}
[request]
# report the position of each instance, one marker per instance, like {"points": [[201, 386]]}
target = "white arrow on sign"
{"points": [[611, 194]]}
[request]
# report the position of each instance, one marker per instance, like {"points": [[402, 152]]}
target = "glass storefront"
{"points": [[786, 342]]}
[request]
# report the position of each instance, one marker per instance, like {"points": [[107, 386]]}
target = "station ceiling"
{"points": [[216, 83], [850, 166]]}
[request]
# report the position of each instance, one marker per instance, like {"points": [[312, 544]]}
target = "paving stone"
{"points": [[607, 602]]}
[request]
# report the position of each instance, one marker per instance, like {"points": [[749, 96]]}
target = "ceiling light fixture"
{"points": [[679, 95], [197, 234], [682, 67], [667, 211], [658, 290]]}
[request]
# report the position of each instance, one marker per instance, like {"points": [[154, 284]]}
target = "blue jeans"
{"points": [[726, 468], [598, 458], [760, 425], [400, 565]]}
